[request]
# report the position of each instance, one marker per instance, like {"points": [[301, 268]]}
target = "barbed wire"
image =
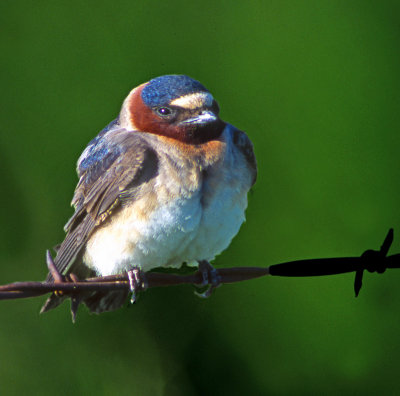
{"points": [[371, 260]]}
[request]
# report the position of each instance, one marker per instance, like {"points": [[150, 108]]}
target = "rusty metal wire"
{"points": [[371, 260]]}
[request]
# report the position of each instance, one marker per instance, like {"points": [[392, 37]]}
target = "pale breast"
{"points": [[189, 212], [224, 201]]}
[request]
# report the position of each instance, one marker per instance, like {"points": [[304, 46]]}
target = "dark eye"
{"points": [[164, 111]]}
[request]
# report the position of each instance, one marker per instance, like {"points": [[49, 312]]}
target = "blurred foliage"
{"points": [[315, 84]]}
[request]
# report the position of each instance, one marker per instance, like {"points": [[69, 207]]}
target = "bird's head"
{"points": [[175, 106]]}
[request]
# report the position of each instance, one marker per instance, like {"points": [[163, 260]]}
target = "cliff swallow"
{"points": [[163, 184]]}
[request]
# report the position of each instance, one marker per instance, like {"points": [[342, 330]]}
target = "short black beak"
{"points": [[204, 117]]}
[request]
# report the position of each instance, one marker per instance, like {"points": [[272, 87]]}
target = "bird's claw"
{"points": [[211, 278], [137, 282]]}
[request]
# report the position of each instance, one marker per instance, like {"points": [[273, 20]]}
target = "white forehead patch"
{"points": [[194, 100]]}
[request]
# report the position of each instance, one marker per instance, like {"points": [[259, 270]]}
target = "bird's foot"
{"points": [[137, 282], [210, 277]]}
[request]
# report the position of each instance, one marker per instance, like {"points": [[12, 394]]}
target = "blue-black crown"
{"points": [[162, 90]]}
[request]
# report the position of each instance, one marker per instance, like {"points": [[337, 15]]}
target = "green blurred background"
{"points": [[315, 84]]}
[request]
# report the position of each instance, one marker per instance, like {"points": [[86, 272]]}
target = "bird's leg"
{"points": [[137, 282], [210, 278]]}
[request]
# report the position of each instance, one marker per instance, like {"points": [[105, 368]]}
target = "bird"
{"points": [[165, 183]]}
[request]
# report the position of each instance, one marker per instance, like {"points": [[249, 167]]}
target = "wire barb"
{"points": [[53, 269], [373, 261], [71, 286]]}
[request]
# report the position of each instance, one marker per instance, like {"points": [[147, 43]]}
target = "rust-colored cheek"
{"points": [[143, 119], [141, 116]]}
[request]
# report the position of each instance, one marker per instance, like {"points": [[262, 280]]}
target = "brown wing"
{"points": [[117, 165]]}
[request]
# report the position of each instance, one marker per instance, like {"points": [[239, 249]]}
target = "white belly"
{"points": [[185, 230]]}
